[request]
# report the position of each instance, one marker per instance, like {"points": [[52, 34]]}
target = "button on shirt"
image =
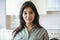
{"points": [[34, 34]]}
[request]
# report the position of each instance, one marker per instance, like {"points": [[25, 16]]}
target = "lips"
{"points": [[29, 19]]}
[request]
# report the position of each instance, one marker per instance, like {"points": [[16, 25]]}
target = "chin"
{"points": [[28, 22]]}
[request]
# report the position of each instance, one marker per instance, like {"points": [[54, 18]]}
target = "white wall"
{"points": [[51, 20]]}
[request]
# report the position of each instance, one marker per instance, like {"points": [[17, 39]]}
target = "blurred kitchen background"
{"points": [[49, 11]]}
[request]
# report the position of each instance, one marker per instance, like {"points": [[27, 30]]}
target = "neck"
{"points": [[29, 26]]}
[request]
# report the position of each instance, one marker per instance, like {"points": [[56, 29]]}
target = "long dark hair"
{"points": [[22, 22]]}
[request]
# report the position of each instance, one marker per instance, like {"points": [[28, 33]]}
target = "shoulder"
{"points": [[43, 31], [45, 35], [16, 37]]}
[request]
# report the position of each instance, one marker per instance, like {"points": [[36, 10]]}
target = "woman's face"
{"points": [[28, 15]]}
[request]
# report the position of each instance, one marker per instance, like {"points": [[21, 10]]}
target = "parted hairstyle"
{"points": [[22, 22]]}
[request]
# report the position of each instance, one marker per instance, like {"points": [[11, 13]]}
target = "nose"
{"points": [[28, 14]]}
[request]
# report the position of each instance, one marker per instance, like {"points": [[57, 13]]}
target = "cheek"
{"points": [[33, 16], [23, 16]]}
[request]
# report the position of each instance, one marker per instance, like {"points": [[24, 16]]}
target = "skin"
{"points": [[28, 16]]}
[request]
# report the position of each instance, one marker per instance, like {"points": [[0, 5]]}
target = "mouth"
{"points": [[29, 19]]}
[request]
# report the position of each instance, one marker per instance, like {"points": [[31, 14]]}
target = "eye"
{"points": [[31, 12], [24, 13]]}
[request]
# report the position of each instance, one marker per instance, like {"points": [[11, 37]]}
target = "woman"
{"points": [[29, 28]]}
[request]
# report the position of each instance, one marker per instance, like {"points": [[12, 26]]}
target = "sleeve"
{"points": [[46, 36]]}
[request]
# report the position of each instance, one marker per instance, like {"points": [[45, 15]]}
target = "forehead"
{"points": [[28, 9]]}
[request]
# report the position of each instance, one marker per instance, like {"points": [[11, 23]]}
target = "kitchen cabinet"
{"points": [[46, 5], [53, 5]]}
